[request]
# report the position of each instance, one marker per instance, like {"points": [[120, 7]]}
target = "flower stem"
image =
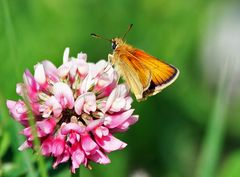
{"points": [[36, 143], [10, 35], [40, 160], [212, 144]]}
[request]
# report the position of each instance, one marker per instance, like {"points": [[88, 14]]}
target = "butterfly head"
{"points": [[116, 42]]}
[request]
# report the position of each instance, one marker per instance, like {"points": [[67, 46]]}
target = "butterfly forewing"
{"points": [[163, 74]]}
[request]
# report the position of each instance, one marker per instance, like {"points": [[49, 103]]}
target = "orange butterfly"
{"points": [[144, 74]]}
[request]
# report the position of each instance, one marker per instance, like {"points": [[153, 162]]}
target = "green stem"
{"points": [[10, 35], [36, 142], [6, 127], [212, 144], [9, 30]]}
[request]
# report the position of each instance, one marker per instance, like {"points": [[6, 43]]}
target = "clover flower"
{"points": [[77, 108]]}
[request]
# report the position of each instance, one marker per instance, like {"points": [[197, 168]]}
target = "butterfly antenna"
{"points": [[129, 28], [100, 37]]}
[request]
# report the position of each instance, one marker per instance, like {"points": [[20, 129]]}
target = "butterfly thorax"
{"points": [[118, 44], [120, 48]]}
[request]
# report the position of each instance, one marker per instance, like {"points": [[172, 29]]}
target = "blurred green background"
{"points": [[191, 129]]}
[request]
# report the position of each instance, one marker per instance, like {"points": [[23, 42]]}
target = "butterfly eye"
{"points": [[114, 45]]}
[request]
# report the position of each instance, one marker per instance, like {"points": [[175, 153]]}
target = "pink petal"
{"points": [[110, 143], [106, 91], [62, 158], [82, 67], [51, 106], [35, 107], [78, 106], [129, 101], [27, 132], [103, 81], [47, 125], [73, 71], [50, 70], [46, 147], [58, 147], [99, 157], [64, 95], [64, 69], [95, 123], [31, 85], [125, 125], [67, 128], [18, 111], [44, 128], [88, 145], [120, 91], [73, 137], [98, 67], [112, 121], [101, 104], [77, 156], [87, 83], [86, 102], [90, 102], [118, 104], [30, 81], [101, 131]]}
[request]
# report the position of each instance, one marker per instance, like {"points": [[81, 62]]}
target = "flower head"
{"points": [[77, 108]]}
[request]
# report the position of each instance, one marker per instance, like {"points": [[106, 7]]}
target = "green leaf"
{"points": [[12, 170], [231, 166], [5, 142]]}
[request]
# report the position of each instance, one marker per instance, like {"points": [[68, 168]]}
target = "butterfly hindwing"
{"points": [[162, 74]]}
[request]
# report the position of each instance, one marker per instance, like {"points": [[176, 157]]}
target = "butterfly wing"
{"points": [[145, 74], [162, 74], [137, 76]]}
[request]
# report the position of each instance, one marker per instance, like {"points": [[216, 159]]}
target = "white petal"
{"points": [[66, 55], [39, 74]]}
